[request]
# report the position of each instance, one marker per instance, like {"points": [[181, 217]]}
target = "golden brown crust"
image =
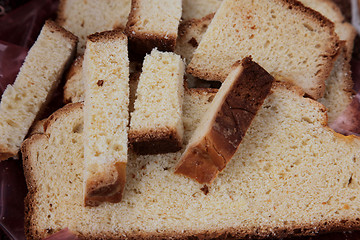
{"points": [[162, 140], [141, 43], [204, 159], [107, 36], [55, 27], [106, 186]]}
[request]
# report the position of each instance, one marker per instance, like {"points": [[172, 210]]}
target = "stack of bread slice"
{"points": [[260, 149]]}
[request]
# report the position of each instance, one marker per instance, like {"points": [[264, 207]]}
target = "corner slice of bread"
{"points": [[38, 78], [285, 37], [224, 125], [196, 9], [106, 114], [85, 17], [156, 123], [153, 23], [190, 35]]}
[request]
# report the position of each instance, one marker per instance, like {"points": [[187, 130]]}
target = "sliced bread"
{"points": [[276, 33], [153, 23], [292, 175], [74, 87], [38, 78], [196, 9], [224, 125], [156, 123], [106, 114], [85, 17]]}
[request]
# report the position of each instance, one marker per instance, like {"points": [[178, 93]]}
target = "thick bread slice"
{"points": [[153, 23], [224, 125], [190, 35], [156, 123], [339, 86], [285, 37], [85, 17], [39, 76], [106, 114], [292, 175], [198, 8]]}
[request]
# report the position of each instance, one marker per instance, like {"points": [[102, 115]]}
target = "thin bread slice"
{"points": [[190, 35], [196, 9], [151, 24], [285, 37], [85, 17], [39, 76], [156, 123], [106, 114], [339, 86], [224, 125], [292, 175]]}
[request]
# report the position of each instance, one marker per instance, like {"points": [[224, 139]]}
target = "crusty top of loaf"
{"points": [[55, 27], [107, 36]]}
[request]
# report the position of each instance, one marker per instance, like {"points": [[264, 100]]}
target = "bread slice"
{"points": [[74, 87], [151, 24], [292, 175], [190, 35], [85, 17], [198, 8], [106, 115], [339, 86], [276, 34], [224, 125], [156, 124], [39, 76]]}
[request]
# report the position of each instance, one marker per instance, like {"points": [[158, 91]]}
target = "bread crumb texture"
{"points": [[291, 175]]}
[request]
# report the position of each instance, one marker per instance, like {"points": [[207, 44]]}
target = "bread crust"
{"points": [[157, 141], [329, 58], [6, 153], [205, 158], [55, 27], [142, 43], [107, 36], [106, 186]]}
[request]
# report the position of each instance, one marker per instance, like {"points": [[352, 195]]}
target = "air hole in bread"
{"points": [[78, 128], [307, 119], [308, 27]]}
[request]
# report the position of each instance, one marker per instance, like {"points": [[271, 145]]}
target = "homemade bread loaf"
{"points": [[292, 175], [190, 35], [156, 123], [85, 17], [153, 23], [198, 8], [285, 37], [38, 78], [106, 115], [224, 125]]}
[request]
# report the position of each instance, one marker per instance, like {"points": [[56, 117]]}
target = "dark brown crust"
{"points": [[331, 51], [106, 188], [186, 25], [155, 141], [55, 27], [107, 36], [203, 160], [141, 43]]}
